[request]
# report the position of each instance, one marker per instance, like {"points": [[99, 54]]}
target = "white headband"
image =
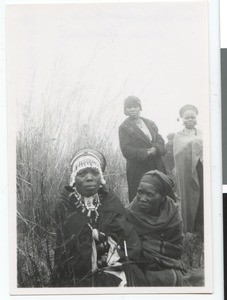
{"points": [[83, 161]]}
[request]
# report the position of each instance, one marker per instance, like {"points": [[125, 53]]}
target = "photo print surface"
{"points": [[108, 116]]}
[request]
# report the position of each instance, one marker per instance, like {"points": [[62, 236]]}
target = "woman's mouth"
{"points": [[132, 115], [90, 187], [144, 205]]}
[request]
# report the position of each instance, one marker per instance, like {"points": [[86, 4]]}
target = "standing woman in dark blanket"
{"points": [[141, 145]]}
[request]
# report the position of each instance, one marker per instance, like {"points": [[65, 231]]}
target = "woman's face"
{"points": [[88, 182], [133, 111], [189, 119], [149, 199]]}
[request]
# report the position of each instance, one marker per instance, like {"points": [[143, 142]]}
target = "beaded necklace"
{"points": [[86, 205], [190, 131]]}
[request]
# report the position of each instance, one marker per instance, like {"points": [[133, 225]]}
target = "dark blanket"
{"points": [[161, 238], [134, 145], [74, 241]]}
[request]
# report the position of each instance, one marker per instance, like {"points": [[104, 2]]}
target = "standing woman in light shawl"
{"points": [[188, 156], [92, 230]]}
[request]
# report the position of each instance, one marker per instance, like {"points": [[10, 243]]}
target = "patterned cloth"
{"points": [[162, 240]]}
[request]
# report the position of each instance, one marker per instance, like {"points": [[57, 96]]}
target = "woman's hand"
{"points": [[152, 151], [102, 244], [102, 261], [102, 248]]}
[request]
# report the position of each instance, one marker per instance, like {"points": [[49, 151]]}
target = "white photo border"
{"points": [[216, 167]]}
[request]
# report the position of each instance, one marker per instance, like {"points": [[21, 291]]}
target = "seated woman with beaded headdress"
{"points": [[92, 230]]}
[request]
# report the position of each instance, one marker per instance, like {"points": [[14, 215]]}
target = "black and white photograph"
{"points": [[110, 168]]}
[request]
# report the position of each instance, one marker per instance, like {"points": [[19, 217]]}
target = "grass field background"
{"points": [[44, 151]]}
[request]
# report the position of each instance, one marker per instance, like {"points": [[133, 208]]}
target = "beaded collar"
{"points": [[87, 205], [190, 131]]}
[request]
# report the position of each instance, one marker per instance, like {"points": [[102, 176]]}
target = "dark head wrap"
{"points": [[188, 107], [132, 100], [162, 183]]}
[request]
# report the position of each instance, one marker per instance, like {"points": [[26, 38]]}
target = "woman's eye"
{"points": [[95, 173], [81, 174], [151, 195]]}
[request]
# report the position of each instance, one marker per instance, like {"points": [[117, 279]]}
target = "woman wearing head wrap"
{"points": [[188, 156], [141, 145], [92, 230], [158, 223]]}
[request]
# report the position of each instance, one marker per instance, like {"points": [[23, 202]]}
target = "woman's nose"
{"points": [[89, 176], [143, 198]]}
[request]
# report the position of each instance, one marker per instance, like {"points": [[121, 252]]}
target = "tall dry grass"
{"points": [[46, 142]]}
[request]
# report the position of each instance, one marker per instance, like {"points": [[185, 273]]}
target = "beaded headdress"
{"points": [[87, 158]]}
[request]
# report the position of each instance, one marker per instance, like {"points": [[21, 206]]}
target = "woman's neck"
{"points": [[190, 130], [136, 120]]}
